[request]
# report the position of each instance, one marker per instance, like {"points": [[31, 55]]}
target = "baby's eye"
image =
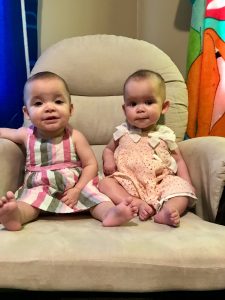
{"points": [[37, 103], [59, 101], [148, 102], [132, 104]]}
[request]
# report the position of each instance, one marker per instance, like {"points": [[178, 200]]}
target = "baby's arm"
{"points": [[109, 165], [18, 136], [182, 169], [87, 158], [89, 168]]}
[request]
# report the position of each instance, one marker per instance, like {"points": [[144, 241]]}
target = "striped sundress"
{"points": [[52, 167]]}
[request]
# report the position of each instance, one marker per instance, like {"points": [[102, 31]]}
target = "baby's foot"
{"points": [[120, 214], [9, 212], [168, 215], [145, 211]]}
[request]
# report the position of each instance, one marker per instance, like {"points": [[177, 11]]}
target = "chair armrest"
{"points": [[205, 159], [12, 166]]}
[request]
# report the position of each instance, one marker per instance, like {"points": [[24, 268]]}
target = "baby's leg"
{"points": [[13, 214], [112, 215], [171, 211], [111, 188]]}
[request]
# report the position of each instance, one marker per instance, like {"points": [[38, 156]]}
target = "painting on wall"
{"points": [[206, 69]]}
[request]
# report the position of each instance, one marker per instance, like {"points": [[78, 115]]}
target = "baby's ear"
{"points": [[123, 107], [165, 106], [26, 113], [71, 109]]}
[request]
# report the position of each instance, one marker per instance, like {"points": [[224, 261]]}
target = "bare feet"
{"points": [[9, 212], [120, 214], [168, 215], [145, 211]]}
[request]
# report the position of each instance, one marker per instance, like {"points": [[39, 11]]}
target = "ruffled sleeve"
{"points": [[164, 133], [121, 130]]}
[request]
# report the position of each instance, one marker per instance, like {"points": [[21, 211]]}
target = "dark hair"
{"points": [[145, 74], [46, 75]]}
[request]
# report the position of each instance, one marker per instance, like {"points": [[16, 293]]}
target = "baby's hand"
{"points": [[109, 168], [70, 197]]}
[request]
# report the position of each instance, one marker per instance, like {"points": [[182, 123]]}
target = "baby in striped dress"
{"points": [[61, 169]]}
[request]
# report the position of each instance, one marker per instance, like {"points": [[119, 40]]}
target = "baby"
{"points": [[143, 161], [61, 169]]}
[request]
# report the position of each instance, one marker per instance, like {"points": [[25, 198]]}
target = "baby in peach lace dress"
{"points": [[142, 160]]}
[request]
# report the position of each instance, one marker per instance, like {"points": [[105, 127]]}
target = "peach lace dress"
{"points": [[145, 166]]}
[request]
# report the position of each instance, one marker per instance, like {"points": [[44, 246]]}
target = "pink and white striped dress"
{"points": [[52, 167]]}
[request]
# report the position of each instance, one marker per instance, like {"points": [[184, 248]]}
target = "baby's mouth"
{"points": [[50, 118], [144, 118]]}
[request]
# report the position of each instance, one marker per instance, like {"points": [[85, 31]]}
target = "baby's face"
{"points": [[143, 102], [47, 105]]}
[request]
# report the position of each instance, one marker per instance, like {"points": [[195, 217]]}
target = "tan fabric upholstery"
{"points": [[206, 163], [95, 68], [66, 254], [75, 253]]}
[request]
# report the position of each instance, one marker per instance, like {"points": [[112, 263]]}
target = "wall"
{"points": [[162, 22], [166, 24], [60, 19]]}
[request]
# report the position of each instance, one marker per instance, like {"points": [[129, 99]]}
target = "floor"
{"points": [[25, 295]]}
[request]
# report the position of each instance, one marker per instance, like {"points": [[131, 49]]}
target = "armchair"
{"points": [[75, 253]]}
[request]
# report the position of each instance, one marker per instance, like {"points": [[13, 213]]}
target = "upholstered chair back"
{"points": [[95, 68]]}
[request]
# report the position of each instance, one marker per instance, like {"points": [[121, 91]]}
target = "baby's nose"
{"points": [[140, 107], [49, 106]]}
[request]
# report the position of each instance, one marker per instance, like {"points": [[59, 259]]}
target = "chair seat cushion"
{"points": [[76, 253]]}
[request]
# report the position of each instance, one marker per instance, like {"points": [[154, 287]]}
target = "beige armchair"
{"points": [[75, 253]]}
